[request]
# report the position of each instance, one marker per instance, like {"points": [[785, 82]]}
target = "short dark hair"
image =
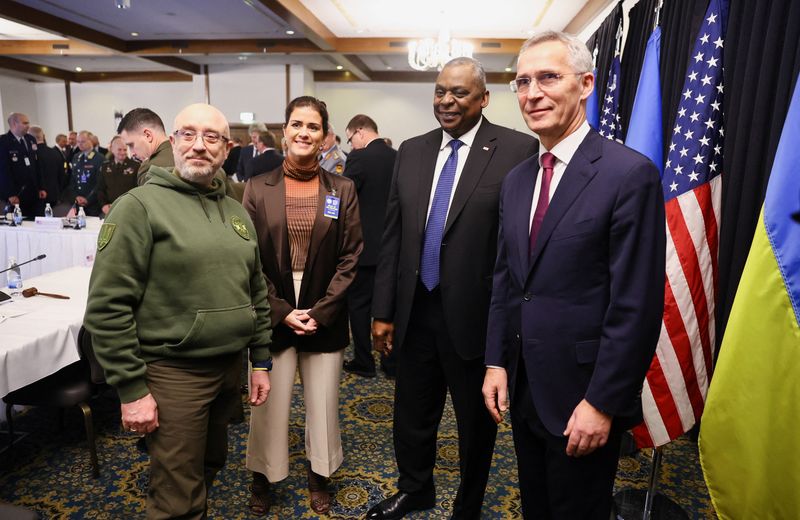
{"points": [[138, 118], [362, 121], [267, 139], [314, 103]]}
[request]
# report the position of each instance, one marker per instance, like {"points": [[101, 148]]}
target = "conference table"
{"points": [[64, 247], [39, 335]]}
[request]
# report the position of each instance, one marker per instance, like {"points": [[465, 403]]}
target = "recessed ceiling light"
{"points": [[134, 34], [78, 69], [242, 58], [388, 67], [359, 31], [289, 32], [508, 69], [339, 67]]}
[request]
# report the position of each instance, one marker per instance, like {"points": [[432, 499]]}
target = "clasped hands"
{"points": [[587, 428], [300, 322]]}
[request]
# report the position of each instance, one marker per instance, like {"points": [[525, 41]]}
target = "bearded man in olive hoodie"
{"points": [[176, 293]]}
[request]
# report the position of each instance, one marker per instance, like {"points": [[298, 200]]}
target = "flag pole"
{"points": [[655, 467], [633, 504]]}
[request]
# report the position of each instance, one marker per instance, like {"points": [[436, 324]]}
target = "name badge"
{"points": [[27, 162], [331, 206]]}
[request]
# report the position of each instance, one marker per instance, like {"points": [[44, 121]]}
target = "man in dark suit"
{"points": [[20, 177], [250, 151], [578, 290], [432, 286], [370, 165], [53, 169], [233, 157], [267, 159]]}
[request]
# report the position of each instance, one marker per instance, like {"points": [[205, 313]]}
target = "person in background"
{"points": [[577, 292], [176, 293], [20, 177], [233, 157], [54, 175], [85, 171], [309, 238], [143, 133], [369, 165], [96, 146], [250, 151], [268, 158], [117, 175], [332, 158]]}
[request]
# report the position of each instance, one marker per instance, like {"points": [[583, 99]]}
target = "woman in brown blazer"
{"points": [[309, 238]]}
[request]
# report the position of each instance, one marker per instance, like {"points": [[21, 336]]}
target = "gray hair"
{"points": [[477, 68], [256, 127], [37, 132], [579, 56]]}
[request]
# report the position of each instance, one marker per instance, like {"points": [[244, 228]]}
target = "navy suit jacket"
{"points": [[18, 178], [584, 309]]}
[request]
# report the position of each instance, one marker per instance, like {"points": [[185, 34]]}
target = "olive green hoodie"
{"points": [[177, 275]]}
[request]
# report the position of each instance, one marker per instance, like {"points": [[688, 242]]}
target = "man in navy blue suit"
{"points": [[578, 290], [20, 176]]}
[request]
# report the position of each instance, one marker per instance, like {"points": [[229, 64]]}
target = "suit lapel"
{"points": [[427, 167], [275, 213], [520, 213], [321, 226], [480, 153], [579, 172]]}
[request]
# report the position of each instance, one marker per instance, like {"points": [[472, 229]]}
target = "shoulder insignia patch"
{"points": [[339, 168], [104, 237], [240, 228], [91, 155]]}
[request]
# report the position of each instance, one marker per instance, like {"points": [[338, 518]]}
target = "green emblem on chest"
{"points": [[104, 237], [240, 228]]}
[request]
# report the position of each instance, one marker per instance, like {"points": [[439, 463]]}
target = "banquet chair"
{"points": [[73, 385]]}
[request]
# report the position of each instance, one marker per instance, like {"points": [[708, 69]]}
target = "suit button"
{"points": [[527, 297], [516, 337]]}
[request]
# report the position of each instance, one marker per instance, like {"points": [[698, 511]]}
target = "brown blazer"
{"points": [[330, 264]]}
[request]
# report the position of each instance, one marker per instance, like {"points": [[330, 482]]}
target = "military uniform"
{"points": [[83, 183], [333, 160], [115, 179], [162, 158], [20, 175]]}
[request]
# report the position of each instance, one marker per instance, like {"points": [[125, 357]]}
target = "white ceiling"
{"points": [[425, 18], [14, 31]]}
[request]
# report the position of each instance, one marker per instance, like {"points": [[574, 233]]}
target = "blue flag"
{"points": [[592, 106], [644, 130]]}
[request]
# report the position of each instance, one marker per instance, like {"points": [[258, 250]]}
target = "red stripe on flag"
{"points": [[676, 330], [664, 402], [687, 255]]}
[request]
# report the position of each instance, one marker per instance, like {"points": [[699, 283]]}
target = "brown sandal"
{"points": [[259, 503], [318, 491]]}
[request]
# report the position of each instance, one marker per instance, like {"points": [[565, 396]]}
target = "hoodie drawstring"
{"points": [[203, 205]]}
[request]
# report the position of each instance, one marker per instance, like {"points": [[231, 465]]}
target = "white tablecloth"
{"points": [[44, 338], [64, 247]]}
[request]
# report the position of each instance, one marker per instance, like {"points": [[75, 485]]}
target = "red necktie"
{"points": [[548, 161]]}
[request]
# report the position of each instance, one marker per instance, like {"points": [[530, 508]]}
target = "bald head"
{"points": [[200, 142]]}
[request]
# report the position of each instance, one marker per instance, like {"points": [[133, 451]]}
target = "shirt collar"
{"points": [[567, 147], [467, 138]]}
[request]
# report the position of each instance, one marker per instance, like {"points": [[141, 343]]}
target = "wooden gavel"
{"points": [[33, 291]]}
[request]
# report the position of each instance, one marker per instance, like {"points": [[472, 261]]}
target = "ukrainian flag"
{"points": [[750, 433]]}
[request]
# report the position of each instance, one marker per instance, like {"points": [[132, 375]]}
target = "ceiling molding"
{"points": [[354, 64], [35, 69], [51, 48], [195, 47], [50, 23], [177, 63], [401, 76], [165, 75], [400, 45], [589, 12], [299, 18]]}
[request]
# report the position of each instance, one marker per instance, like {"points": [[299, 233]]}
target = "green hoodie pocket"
{"points": [[219, 328]]}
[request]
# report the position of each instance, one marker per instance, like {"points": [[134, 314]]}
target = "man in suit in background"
{"points": [[370, 165], [53, 171], [20, 177], [332, 158], [250, 151], [432, 286], [72, 145], [233, 157], [578, 290], [268, 158]]}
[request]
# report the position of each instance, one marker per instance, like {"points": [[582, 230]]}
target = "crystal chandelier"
{"points": [[433, 54]]}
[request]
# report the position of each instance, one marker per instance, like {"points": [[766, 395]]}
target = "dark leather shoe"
{"points": [[350, 366], [399, 505]]}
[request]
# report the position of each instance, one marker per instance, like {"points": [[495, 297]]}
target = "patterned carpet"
{"points": [[51, 474]]}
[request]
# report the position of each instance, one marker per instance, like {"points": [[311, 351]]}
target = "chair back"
{"points": [[96, 373]]}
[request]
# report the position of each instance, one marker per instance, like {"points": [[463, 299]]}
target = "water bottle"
{"points": [[14, 276], [81, 218], [48, 211], [17, 215]]}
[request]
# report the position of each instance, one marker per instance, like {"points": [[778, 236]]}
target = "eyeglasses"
{"points": [[349, 139], [544, 80], [189, 136]]}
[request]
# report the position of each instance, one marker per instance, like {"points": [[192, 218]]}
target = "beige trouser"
{"points": [[268, 443]]}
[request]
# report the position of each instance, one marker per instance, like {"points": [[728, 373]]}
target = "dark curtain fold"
{"points": [[604, 39], [640, 25], [762, 62]]}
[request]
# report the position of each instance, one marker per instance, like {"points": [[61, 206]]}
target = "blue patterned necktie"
{"points": [[429, 263]]}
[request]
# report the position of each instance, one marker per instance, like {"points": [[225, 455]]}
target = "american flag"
{"points": [[677, 382], [610, 126]]}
